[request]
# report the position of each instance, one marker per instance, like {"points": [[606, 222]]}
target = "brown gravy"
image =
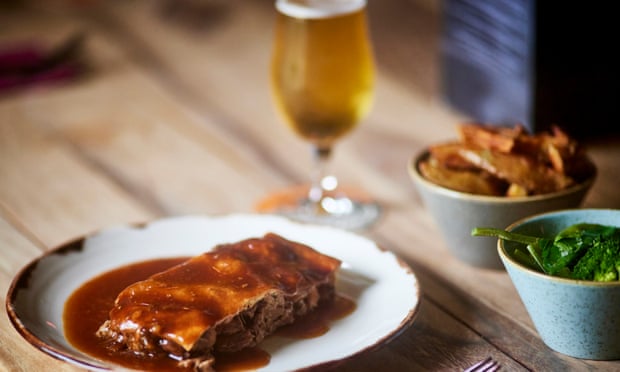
{"points": [[87, 308]]}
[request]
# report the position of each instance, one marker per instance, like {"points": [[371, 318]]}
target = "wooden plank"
{"points": [[16, 354], [157, 149], [46, 187], [221, 71], [605, 153], [187, 163], [53, 193], [453, 346]]}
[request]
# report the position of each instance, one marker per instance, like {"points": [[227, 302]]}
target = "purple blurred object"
{"points": [[59, 73], [16, 57], [27, 65]]}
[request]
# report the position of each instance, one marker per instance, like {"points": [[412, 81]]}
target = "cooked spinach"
{"points": [[584, 251]]}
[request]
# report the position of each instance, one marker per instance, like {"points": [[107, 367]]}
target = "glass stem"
{"points": [[317, 192]]}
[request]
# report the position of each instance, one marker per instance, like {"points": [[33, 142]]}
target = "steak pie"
{"points": [[224, 300]]}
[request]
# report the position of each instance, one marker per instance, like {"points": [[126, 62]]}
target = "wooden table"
{"points": [[174, 117]]}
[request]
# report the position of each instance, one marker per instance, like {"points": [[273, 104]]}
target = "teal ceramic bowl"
{"points": [[457, 213], [577, 318]]}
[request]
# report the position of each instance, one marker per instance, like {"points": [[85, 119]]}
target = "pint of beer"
{"points": [[322, 69]]}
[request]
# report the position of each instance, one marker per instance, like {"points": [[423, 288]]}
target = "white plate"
{"points": [[385, 289]]}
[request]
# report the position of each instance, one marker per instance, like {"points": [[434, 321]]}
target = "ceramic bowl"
{"points": [[457, 213], [574, 317]]}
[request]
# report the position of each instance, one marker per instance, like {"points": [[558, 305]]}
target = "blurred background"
{"points": [[501, 62]]}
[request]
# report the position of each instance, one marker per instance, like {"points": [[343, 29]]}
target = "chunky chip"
{"points": [[502, 161]]}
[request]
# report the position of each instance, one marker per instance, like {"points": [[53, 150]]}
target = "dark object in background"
{"points": [[25, 65], [537, 63]]}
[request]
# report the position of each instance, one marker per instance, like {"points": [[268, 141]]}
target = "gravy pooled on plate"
{"points": [[191, 313]]}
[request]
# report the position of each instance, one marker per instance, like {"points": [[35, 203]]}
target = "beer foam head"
{"points": [[318, 8]]}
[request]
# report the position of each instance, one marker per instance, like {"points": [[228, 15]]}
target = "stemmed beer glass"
{"points": [[322, 76]]}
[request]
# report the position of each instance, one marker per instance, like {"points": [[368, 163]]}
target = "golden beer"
{"points": [[322, 68]]}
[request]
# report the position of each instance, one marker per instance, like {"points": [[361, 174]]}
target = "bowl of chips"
{"points": [[493, 176]]}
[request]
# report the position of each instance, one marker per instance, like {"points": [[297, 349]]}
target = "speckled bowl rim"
{"points": [[417, 176], [508, 259]]}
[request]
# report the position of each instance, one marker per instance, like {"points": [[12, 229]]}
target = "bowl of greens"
{"points": [[565, 266]]}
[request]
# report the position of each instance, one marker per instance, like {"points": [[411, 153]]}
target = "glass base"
{"points": [[343, 208]]}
